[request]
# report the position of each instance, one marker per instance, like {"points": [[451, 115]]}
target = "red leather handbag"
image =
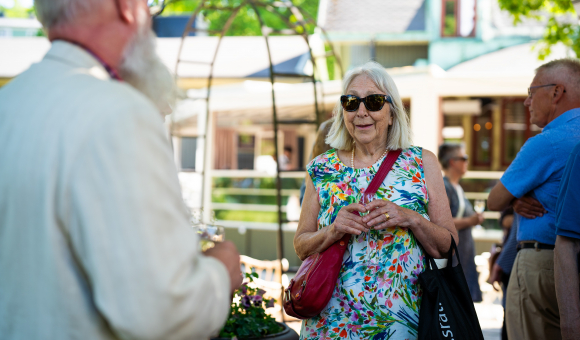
{"points": [[311, 289]]}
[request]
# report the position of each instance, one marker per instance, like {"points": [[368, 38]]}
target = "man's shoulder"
{"points": [[536, 147], [79, 102], [77, 88]]}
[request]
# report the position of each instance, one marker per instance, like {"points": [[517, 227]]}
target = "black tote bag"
{"points": [[447, 311]]}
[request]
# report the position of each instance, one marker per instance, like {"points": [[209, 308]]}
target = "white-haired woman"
{"points": [[377, 294]]}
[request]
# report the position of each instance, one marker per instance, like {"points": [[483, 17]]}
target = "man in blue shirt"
{"points": [[568, 248], [531, 185]]}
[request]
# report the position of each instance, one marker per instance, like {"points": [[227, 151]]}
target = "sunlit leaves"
{"points": [[245, 22], [559, 27]]}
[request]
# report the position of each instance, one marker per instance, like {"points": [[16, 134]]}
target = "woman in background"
{"points": [[454, 162]]}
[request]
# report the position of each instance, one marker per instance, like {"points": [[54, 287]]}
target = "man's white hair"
{"points": [[53, 12], [399, 134]]}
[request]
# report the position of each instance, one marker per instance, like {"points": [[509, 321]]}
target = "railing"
{"points": [[491, 175], [482, 236]]}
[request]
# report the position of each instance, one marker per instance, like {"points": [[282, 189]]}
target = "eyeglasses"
{"points": [[373, 102], [156, 6], [536, 87], [462, 158]]}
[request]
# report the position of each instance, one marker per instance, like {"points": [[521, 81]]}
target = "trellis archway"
{"points": [[296, 21]]}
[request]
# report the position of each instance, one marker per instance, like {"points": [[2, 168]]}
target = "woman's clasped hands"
{"points": [[386, 214], [381, 214]]}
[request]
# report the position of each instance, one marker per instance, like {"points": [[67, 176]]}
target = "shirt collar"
{"points": [[112, 72], [563, 118]]}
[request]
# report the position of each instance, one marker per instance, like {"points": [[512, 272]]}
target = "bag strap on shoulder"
{"points": [[384, 169]]}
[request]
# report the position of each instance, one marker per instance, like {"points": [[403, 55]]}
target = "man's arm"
{"points": [[524, 174], [130, 230], [499, 198], [568, 285]]}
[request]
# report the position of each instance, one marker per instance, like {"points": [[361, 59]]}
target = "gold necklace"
{"points": [[352, 156]]}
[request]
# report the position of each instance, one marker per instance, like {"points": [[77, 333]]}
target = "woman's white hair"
{"points": [[399, 134], [53, 12]]}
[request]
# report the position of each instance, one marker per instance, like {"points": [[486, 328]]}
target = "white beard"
{"points": [[142, 68]]}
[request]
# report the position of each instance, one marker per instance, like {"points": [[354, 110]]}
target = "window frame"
{"points": [[457, 19]]}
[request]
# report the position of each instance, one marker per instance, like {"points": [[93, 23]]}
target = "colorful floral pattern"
{"points": [[377, 295]]}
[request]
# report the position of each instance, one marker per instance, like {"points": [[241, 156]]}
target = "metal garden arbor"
{"points": [[296, 21]]}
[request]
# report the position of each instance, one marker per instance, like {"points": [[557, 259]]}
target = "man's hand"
{"points": [[529, 207], [227, 253]]}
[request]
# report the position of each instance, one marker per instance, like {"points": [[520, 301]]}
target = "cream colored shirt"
{"points": [[94, 234]]}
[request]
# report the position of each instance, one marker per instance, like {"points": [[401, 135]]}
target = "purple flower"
{"points": [[244, 288], [257, 299], [261, 292], [246, 302], [270, 303]]}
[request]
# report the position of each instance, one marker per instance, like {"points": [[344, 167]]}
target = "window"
{"points": [[246, 144], [188, 152], [516, 129], [482, 139], [458, 18]]}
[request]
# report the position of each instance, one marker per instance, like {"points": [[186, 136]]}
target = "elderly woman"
{"points": [[377, 294]]}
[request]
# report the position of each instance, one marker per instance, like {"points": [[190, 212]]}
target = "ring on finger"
{"points": [[387, 216]]}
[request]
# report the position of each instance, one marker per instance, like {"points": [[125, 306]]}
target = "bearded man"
{"points": [[94, 235]]}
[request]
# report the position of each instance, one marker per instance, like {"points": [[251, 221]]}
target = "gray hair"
{"points": [[570, 72], [54, 12], [446, 152], [399, 134]]}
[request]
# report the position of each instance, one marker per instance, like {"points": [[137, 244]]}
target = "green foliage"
{"points": [[248, 316], [248, 216], [557, 29], [246, 21], [17, 11]]}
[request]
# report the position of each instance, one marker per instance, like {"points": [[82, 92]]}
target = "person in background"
{"points": [[453, 159], [286, 159], [530, 184], [319, 148], [501, 269], [567, 251], [95, 240]]}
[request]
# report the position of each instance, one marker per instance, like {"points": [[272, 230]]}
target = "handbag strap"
{"points": [[431, 260], [384, 169], [376, 182]]}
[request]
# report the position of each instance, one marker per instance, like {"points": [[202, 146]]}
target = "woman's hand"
{"points": [[476, 219], [348, 223], [397, 216]]}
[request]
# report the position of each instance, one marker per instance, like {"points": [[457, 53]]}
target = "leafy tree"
{"points": [[246, 21], [561, 26], [17, 11]]}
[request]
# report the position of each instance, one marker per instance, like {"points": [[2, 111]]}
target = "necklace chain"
{"points": [[352, 156]]}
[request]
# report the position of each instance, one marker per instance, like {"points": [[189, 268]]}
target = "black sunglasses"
{"points": [[462, 158], [373, 102]]}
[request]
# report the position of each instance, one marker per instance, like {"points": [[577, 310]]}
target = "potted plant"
{"points": [[248, 318]]}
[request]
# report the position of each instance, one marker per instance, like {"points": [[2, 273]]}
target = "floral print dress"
{"points": [[377, 294]]}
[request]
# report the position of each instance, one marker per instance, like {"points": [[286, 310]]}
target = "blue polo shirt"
{"points": [[567, 219], [538, 170]]}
